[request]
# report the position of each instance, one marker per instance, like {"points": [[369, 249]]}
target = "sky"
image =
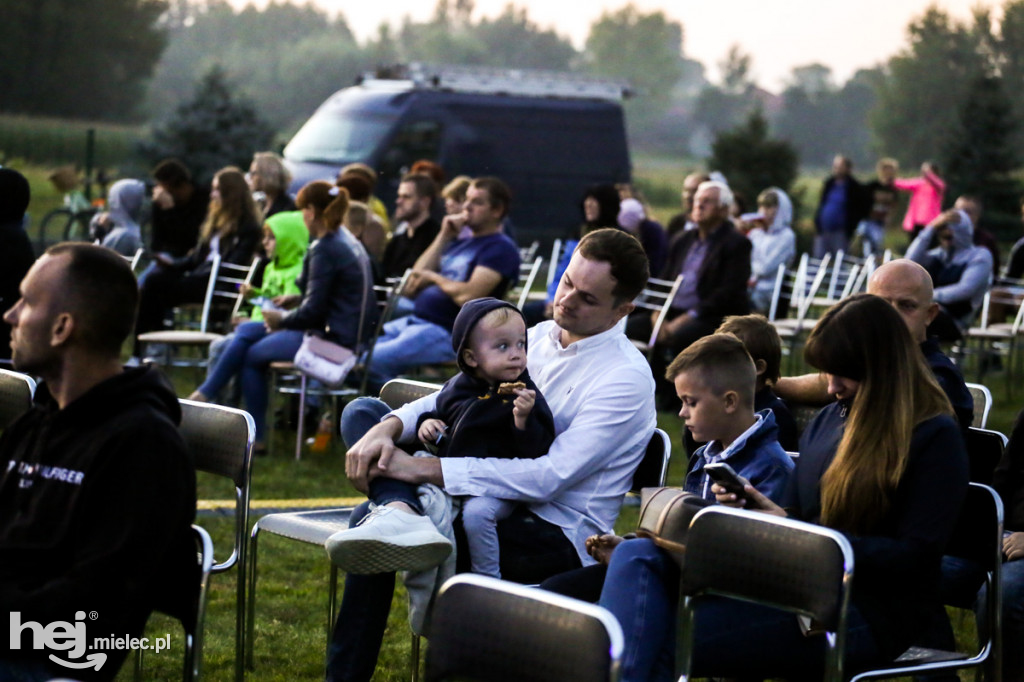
{"points": [[844, 35]]}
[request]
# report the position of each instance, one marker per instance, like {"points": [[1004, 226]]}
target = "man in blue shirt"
{"points": [[449, 273], [843, 204]]}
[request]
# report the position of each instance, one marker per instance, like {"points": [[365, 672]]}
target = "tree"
{"points": [[513, 40], [919, 103], [646, 50], [213, 130], [751, 160], [80, 59], [984, 154]]}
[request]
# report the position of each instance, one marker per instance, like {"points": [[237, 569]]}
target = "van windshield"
{"points": [[339, 136]]}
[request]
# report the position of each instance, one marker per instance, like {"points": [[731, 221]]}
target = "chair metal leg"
{"points": [[332, 602], [270, 413], [240, 605], [414, 656], [301, 417], [251, 608]]}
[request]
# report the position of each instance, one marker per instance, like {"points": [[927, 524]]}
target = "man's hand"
{"points": [[418, 281], [523, 405], [670, 327], [945, 218], [402, 466], [1013, 546], [431, 430], [601, 547], [452, 225], [378, 442], [162, 198]]}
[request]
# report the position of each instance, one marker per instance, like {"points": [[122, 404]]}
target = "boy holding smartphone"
{"points": [[715, 379]]}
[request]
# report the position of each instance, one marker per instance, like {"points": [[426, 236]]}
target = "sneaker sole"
{"points": [[376, 556]]}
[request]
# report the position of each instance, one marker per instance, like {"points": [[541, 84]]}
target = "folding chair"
{"points": [[195, 625], [16, 391], [314, 527], [653, 468], [527, 274], [1001, 338], [221, 439], [807, 280], [982, 404], [978, 537], [790, 565], [984, 449], [557, 251], [657, 297], [224, 284], [488, 630], [528, 253]]}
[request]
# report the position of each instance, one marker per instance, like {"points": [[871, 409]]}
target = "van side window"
{"points": [[413, 141]]}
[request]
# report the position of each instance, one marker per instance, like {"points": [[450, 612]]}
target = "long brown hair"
{"points": [[233, 207], [863, 338]]}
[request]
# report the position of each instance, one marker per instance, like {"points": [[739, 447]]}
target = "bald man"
{"points": [[908, 287]]}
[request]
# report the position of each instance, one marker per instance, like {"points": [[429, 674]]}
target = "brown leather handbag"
{"points": [[665, 515]]}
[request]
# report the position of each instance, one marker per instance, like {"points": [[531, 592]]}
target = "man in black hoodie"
{"points": [[98, 490]]}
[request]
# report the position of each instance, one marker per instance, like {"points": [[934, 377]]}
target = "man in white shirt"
{"points": [[601, 393]]}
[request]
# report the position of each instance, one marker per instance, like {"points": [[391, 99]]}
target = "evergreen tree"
{"points": [[751, 160], [983, 155], [78, 59], [213, 130]]}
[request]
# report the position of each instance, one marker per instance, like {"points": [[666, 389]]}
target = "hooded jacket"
{"points": [[480, 422], [961, 274], [291, 242], [96, 503], [124, 207], [775, 245]]}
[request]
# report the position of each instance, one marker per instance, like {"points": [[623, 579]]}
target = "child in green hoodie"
{"points": [[285, 240]]}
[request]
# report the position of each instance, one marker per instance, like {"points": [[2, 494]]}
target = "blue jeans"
{"points": [[365, 604], [733, 639], [406, 343], [249, 354]]}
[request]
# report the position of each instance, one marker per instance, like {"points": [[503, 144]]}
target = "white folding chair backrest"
{"points": [[657, 297], [557, 250], [527, 274], [982, 404]]}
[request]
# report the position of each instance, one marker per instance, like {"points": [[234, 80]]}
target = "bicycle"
{"points": [[71, 221]]}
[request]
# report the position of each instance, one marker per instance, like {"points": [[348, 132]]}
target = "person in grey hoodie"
{"points": [[118, 228], [773, 243], [961, 272]]}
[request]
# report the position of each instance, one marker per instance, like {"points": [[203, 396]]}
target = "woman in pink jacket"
{"points": [[925, 200]]}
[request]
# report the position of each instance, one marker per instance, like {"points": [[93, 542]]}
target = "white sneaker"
{"points": [[387, 540]]}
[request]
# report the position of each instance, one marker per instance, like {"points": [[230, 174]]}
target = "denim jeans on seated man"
{"points": [[406, 343]]}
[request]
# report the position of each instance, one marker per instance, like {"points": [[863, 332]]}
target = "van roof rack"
{"points": [[492, 80]]}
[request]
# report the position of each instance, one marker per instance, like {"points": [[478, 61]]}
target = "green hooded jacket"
{"points": [[279, 277]]}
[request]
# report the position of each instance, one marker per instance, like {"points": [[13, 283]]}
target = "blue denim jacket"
{"points": [[756, 456]]}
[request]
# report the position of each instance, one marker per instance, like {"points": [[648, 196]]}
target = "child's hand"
{"points": [[601, 547], [245, 289], [525, 399], [430, 430]]}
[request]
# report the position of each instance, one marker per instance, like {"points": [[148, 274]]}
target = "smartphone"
{"points": [[725, 476]]}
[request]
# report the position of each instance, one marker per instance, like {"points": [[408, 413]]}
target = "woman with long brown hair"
{"points": [[885, 465], [335, 283], [231, 229]]}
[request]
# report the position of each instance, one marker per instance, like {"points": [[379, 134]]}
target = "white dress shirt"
{"points": [[601, 394]]}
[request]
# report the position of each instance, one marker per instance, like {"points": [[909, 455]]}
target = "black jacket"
{"points": [[480, 422], [16, 257], [176, 229], [336, 280], [239, 249], [723, 276], [96, 504], [897, 564]]}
